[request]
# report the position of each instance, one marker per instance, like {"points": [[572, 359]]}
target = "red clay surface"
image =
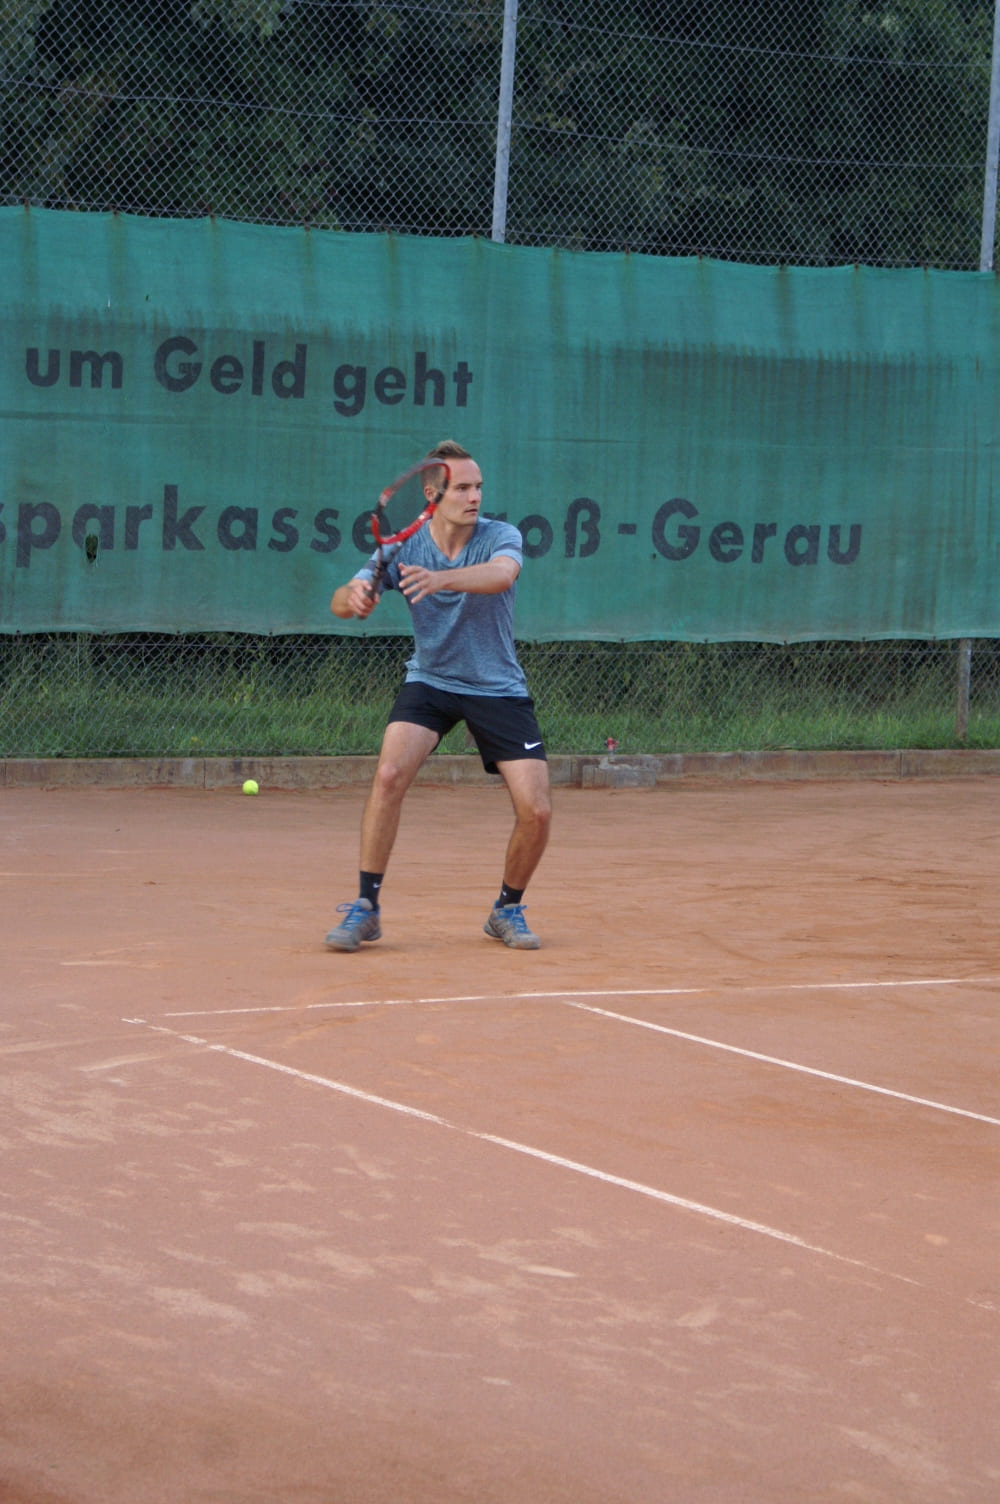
{"points": [[695, 1205]]}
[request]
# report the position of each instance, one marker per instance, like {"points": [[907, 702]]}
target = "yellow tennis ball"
{"points": [[251, 786]]}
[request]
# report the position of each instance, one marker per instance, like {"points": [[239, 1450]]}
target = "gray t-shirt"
{"points": [[464, 643]]}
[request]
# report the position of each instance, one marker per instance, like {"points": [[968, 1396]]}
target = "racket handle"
{"points": [[385, 556]]}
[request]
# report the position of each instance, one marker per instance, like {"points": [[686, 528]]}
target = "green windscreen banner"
{"points": [[198, 416]]}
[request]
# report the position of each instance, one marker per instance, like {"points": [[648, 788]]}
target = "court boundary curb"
{"points": [[568, 771]]}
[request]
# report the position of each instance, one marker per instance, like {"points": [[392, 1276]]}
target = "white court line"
{"points": [[721, 990], [636, 1186], [788, 1065]]}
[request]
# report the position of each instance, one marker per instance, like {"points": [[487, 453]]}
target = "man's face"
{"points": [[461, 502]]}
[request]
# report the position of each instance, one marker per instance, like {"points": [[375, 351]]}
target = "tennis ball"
{"points": [[251, 786]]}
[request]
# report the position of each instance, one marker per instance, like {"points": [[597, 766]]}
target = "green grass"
{"points": [[226, 695]]}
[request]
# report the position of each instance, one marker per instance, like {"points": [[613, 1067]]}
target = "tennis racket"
{"points": [[414, 497]]}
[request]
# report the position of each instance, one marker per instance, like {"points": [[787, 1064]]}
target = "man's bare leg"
{"points": [[405, 749], [527, 782]]}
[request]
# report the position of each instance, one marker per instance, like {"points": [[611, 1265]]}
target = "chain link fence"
{"points": [[236, 695], [818, 134], [815, 134]]}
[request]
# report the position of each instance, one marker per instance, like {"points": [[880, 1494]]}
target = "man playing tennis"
{"points": [[458, 574]]}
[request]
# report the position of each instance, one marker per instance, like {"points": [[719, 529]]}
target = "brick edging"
{"points": [[576, 771]]}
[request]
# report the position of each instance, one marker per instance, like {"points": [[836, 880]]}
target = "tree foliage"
{"points": [[811, 131]]}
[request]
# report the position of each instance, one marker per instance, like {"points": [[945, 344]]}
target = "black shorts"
{"points": [[503, 727]]}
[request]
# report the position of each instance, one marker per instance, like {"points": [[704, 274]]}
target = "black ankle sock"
{"points": [[371, 883], [508, 895]]}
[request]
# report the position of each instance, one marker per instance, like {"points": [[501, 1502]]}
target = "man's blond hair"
{"points": [[448, 449]]}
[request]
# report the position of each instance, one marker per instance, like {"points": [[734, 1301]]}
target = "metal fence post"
{"points": [[992, 153], [986, 245], [505, 109], [964, 685]]}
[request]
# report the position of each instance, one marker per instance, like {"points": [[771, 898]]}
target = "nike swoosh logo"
{"points": [[530, 746]]}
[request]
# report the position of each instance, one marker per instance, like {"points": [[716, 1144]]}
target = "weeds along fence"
{"points": [[819, 135], [236, 695]]}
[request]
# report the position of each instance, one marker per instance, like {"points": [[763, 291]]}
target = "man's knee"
{"points": [[391, 781], [535, 811]]}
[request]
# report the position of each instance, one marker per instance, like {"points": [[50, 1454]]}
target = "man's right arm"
{"points": [[353, 600]]}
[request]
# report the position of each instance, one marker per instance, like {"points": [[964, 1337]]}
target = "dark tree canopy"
{"points": [[809, 131]]}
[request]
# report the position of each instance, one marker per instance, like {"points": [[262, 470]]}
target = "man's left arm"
{"points": [[492, 578]]}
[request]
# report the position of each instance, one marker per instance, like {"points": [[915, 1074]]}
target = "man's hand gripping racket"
{"points": [[415, 496]]}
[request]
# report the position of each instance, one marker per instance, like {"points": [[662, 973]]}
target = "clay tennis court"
{"points": [[697, 1203]]}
